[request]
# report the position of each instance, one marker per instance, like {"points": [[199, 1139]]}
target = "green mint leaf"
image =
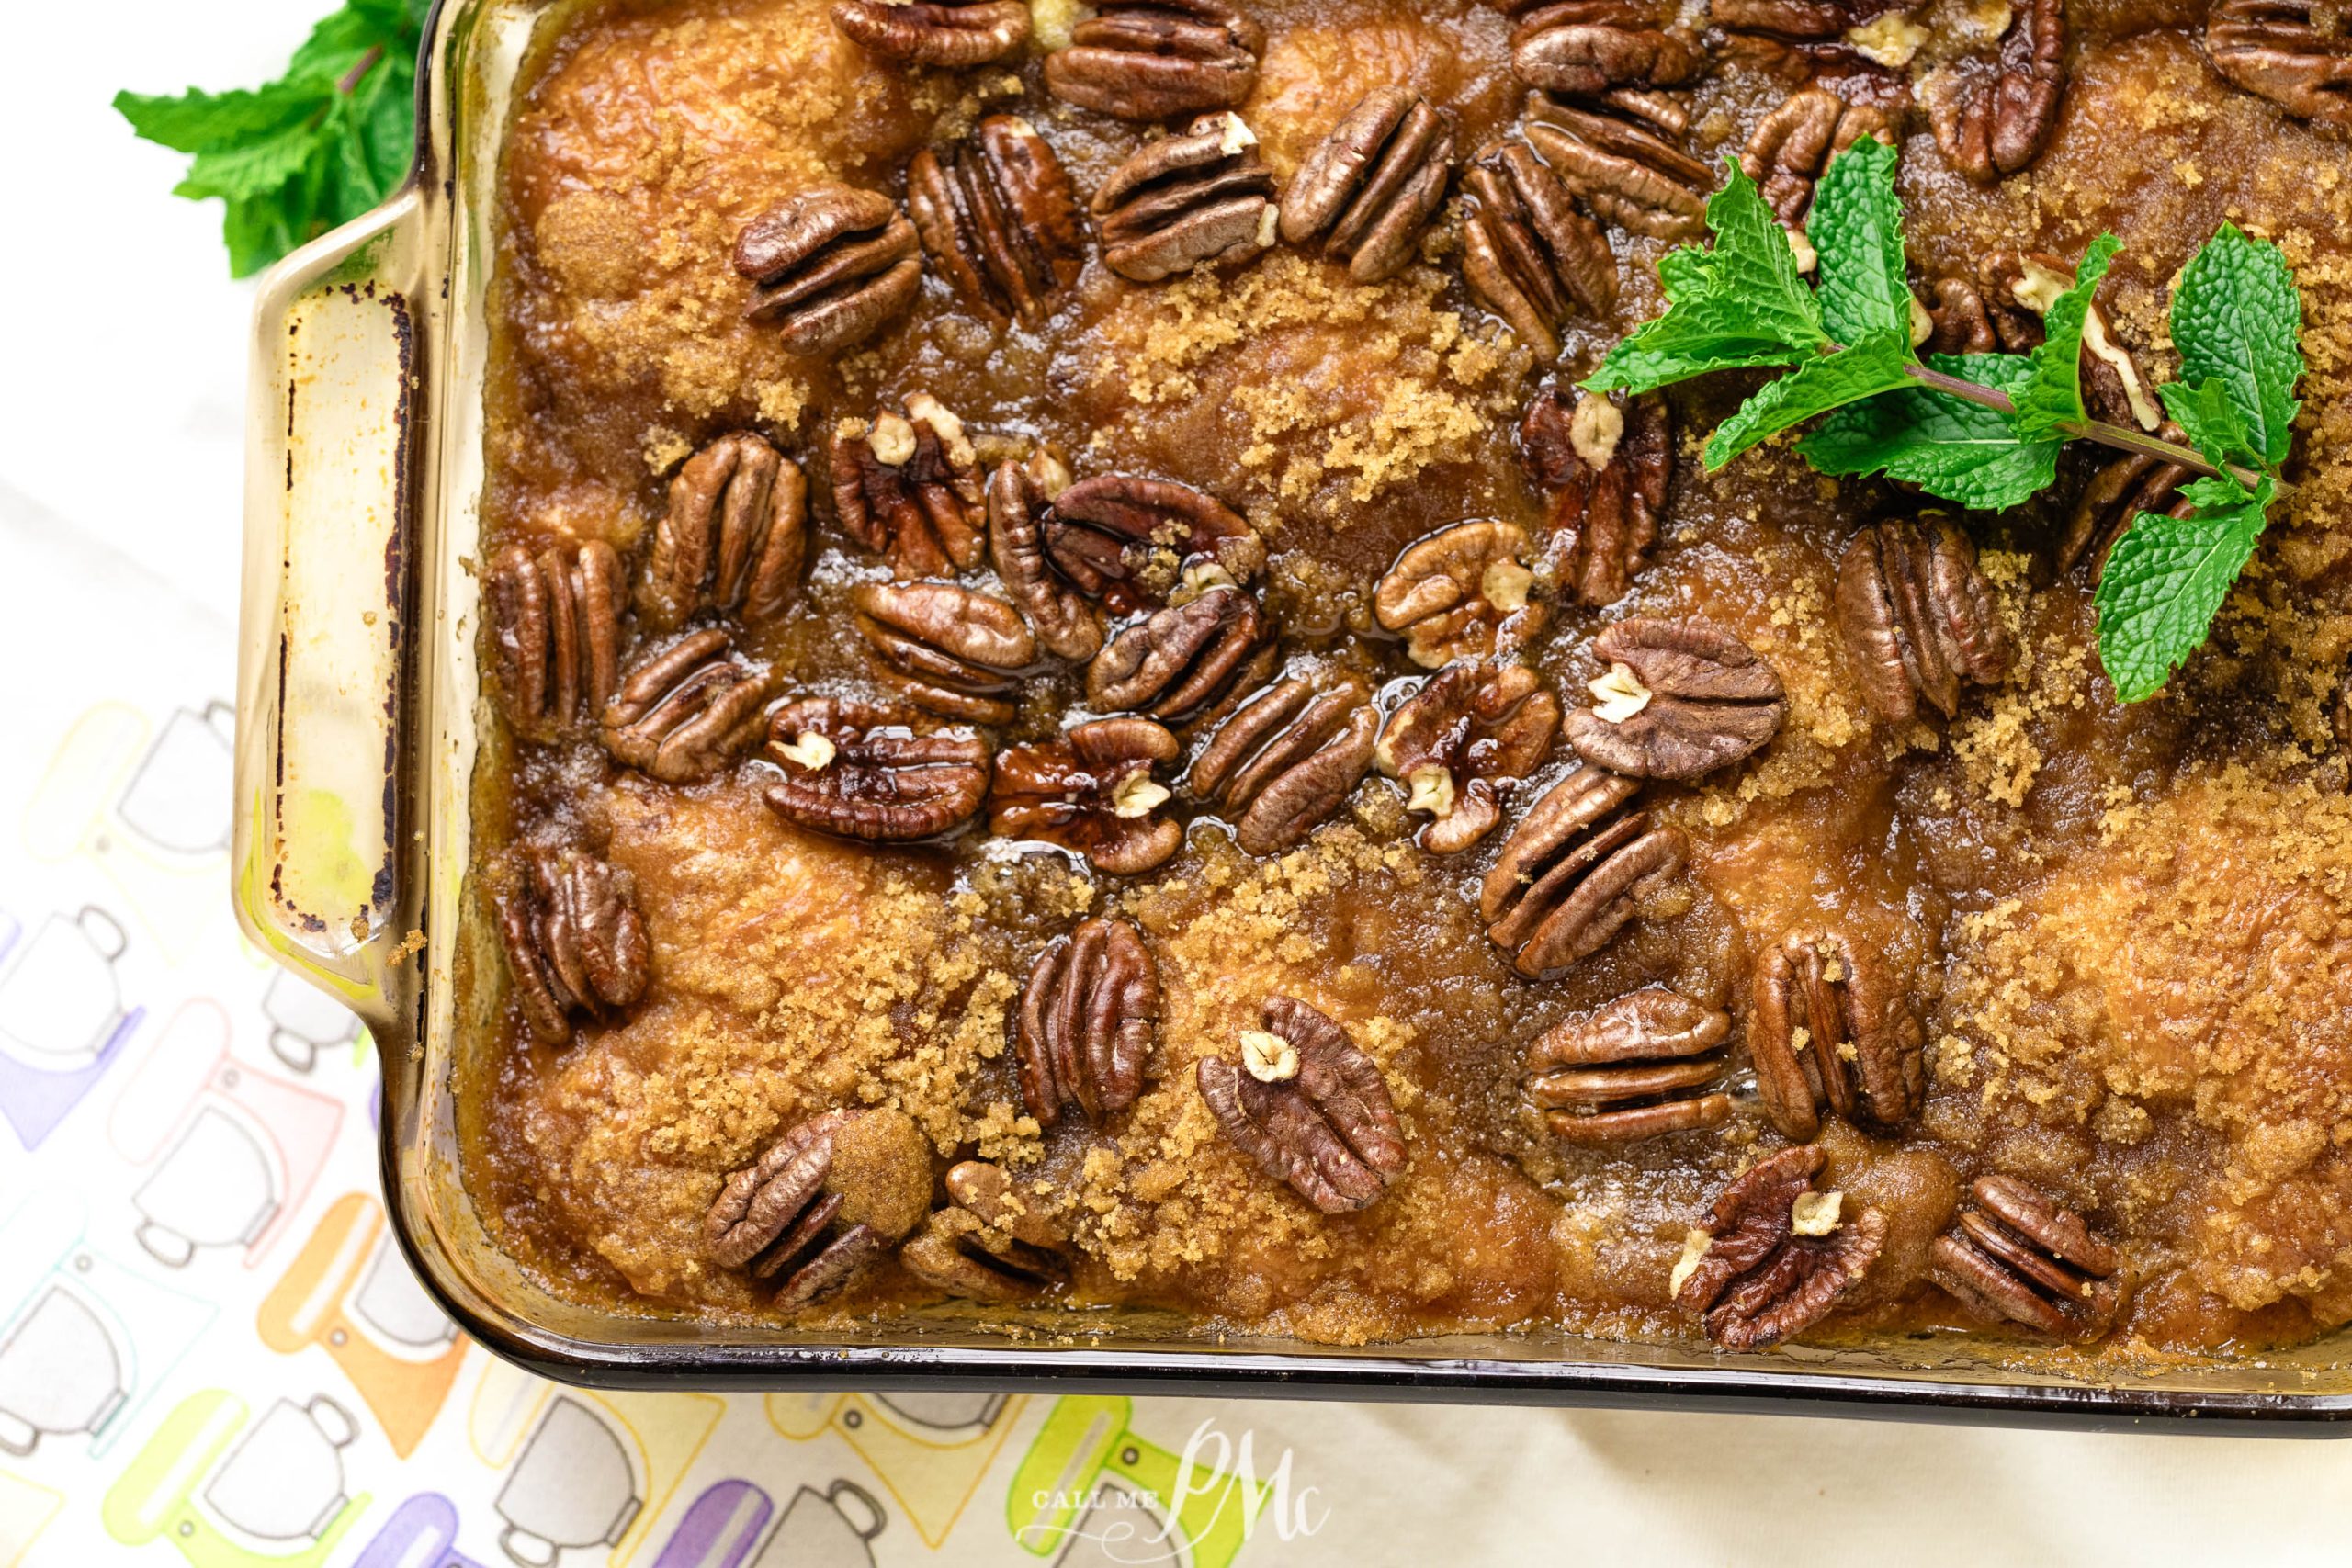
{"points": [[318, 147], [1856, 228], [2052, 396], [1740, 302], [210, 122], [2237, 319], [2168, 577], [1815, 387], [255, 169], [1949, 447], [2211, 422]]}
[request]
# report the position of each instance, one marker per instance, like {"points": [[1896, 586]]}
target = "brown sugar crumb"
{"points": [[1345, 390], [2194, 964]]}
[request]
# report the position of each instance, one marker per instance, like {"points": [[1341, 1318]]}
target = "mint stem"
{"points": [[2086, 430], [359, 71]]}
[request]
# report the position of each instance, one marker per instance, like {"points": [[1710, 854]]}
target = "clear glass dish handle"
{"points": [[335, 401]]}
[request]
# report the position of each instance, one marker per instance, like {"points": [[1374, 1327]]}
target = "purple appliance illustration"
{"points": [[62, 1022], [720, 1527], [422, 1533]]}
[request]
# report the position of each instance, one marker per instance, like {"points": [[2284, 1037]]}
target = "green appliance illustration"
{"points": [[1091, 1489], [230, 1496]]}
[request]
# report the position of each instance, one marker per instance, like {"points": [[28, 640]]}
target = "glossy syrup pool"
{"points": [[2126, 930]]}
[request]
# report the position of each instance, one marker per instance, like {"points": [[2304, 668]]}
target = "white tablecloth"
{"points": [[207, 1345]]}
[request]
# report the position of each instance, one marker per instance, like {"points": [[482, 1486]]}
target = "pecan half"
{"points": [[823, 1203], [555, 619], [1373, 185], [1083, 1033], [1326, 1125], [1471, 733], [1585, 46], [1681, 699], [1178, 663], [831, 265], [1527, 251], [2018, 1256], [1618, 157], [688, 711], [989, 1245], [1091, 790], [908, 486], [1020, 497], [574, 940], [1285, 760], [1791, 147], [2297, 53], [1648, 1063], [999, 217], [2118, 492], [1963, 319], [1774, 1254], [1604, 467], [1573, 872], [1158, 59], [1993, 116], [935, 33], [1919, 617], [2114, 388], [1200, 197], [1461, 592], [733, 537], [1833, 1030], [862, 770], [1129, 541], [1812, 24], [950, 650]]}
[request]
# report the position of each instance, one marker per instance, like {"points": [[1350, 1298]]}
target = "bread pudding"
{"points": [[1092, 710]]}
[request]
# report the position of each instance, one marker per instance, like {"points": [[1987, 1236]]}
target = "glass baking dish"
{"points": [[359, 711]]}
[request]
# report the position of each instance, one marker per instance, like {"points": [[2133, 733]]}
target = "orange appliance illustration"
{"points": [[350, 1293]]}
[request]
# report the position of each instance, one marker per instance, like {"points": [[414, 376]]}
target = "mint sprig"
{"points": [[1984, 430], [318, 147]]}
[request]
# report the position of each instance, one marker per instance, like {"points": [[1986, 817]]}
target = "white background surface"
{"points": [[120, 443]]}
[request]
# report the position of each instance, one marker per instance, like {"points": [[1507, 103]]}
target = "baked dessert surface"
{"points": [[2124, 933]]}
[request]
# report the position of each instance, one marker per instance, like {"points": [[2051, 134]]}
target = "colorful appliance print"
{"points": [[229, 1495], [422, 1533], [26, 1508], [583, 1471], [236, 1150], [150, 807], [85, 1340], [350, 1292], [929, 1451], [62, 1022], [1090, 1490], [718, 1529], [832, 1529], [304, 1022]]}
